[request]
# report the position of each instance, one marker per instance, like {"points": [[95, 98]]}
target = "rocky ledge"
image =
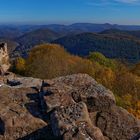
{"points": [[73, 107]]}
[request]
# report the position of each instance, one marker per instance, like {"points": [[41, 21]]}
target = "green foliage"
{"points": [[102, 60]]}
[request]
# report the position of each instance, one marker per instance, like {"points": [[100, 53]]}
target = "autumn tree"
{"points": [[18, 66], [51, 60]]}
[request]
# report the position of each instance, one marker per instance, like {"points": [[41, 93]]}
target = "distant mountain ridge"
{"points": [[14, 31], [114, 41]]}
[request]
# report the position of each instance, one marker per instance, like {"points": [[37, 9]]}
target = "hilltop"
{"points": [[39, 36]]}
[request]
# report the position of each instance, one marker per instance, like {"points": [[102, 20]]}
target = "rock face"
{"points": [[4, 59], [74, 98], [73, 107], [73, 122], [17, 113]]}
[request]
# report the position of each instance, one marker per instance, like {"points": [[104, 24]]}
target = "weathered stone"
{"points": [[118, 124], [55, 97], [79, 109], [78, 88], [115, 123], [4, 59], [18, 114], [74, 123]]}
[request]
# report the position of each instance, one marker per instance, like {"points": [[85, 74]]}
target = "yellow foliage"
{"points": [[19, 65], [135, 111], [105, 76], [51, 60]]}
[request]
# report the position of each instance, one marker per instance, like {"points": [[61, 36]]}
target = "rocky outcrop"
{"points": [[72, 107], [4, 59], [67, 97]]}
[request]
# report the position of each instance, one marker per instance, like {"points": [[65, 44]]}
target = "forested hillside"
{"points": [[122, 33], [111, 46]]}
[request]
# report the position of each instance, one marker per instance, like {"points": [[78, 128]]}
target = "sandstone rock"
{"points": [[56, 95], [74, 107], [114, 122], [80, 87], [74, 123], [18, 113], [118, 124], [13, 81], [4, 59]]}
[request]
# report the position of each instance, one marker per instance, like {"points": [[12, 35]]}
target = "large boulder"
{"points": [[76, 88], [61, 94]]}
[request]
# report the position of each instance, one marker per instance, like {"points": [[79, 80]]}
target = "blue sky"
{"points": [[70, 11]]}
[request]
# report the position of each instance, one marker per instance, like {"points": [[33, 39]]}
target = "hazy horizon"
{"points": [[63, 24]]}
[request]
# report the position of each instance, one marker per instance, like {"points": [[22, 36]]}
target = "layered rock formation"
{"points": [[73, 107], [4, 59]]}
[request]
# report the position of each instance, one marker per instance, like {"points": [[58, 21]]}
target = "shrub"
{"points": [[18, 66], [102, 60]]}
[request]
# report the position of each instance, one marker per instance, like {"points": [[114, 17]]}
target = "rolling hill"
{"points": [[9, 32], [89, 27], [15, 31], [110, 46], [122, 33], [39, 36]]}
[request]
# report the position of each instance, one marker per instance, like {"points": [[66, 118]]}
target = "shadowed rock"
{"points": [[2, 127]]}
